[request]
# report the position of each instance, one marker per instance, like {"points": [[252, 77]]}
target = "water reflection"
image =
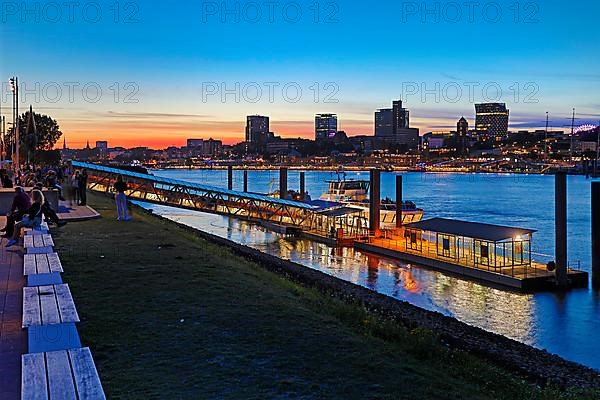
{"points": [[566, 324]]}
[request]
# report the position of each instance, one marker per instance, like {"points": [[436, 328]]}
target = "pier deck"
{"points": [[527, 278], [71, 213]]}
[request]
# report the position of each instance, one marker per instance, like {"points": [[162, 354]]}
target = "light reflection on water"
{"points": [[565, 324]]}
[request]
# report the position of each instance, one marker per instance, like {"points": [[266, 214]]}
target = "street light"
{"points": [[14, 88]]}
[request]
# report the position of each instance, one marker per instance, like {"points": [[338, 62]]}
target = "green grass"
{"points": [[170, 316]]}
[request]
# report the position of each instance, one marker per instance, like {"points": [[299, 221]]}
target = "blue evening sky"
{"points": [[544, 56]]}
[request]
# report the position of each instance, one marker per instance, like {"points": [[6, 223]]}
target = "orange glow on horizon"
{"points": [[159, 131], [160, 134]]}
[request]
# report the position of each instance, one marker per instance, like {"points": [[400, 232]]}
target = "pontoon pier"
{"points": [[492, 254]]}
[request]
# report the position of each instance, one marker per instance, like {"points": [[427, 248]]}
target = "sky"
{"points": [[146, 73]]}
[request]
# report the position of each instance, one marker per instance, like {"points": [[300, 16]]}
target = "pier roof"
{"points": [[475, 230], [340, 211]]}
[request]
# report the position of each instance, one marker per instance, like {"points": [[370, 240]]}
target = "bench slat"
{"points": [[42, 264], [29, 265], [86, 376], [33, 377], [50, 314], [54, 262], [60, 379], [66, 305], [48, 242], [31, 307], [38, 240]]}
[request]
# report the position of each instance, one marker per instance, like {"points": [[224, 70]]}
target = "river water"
{"points": [[563, 323]]}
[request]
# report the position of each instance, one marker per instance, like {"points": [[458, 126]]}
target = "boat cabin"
{"points": [[347, 191]]}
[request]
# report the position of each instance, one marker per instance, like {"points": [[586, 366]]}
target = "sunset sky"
{"points": [[170, 63]]}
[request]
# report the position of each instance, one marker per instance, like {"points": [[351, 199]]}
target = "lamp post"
{"points": [[14, 87], [3, 140]]}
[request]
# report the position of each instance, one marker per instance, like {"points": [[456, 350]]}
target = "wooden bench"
{"points": [[49, 315], [46, 263], [45, 305], [38, 244], [67, 374], [42, 269]]}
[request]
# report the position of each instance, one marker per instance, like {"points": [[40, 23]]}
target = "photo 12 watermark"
{"points": [[255, 92], [72, 92], [455, 92], [470, 11], [69, 11], [270, 12]]}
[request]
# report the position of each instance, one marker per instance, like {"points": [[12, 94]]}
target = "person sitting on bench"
{"points": [[18, 209], [32, 219], [49, 213]]}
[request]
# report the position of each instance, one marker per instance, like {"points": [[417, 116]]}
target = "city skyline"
{"points": [[308, 130], [166, 82]]}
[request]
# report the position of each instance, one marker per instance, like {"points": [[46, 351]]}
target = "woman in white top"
{"points": [[74, 181]]}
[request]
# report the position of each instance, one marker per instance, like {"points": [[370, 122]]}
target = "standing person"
{"points": [[74, 181], [83, 178], [121, 199], [20, 206], [32, 219], [52, 183], [60, 176], [6, 181]]}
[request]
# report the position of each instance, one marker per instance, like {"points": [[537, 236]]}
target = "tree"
{"points": [[47, 132]]}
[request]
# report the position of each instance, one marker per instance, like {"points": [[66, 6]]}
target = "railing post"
{"points": [[246, 181]]}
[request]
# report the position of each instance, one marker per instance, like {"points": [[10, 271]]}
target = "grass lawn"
{"points": [[170, 316]]}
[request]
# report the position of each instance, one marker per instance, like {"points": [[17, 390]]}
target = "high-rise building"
{"points": [[257, 128], [195, 143], [384, 122], [212, 148], [401, 116], [392, 125], [326, 126], [462, 133], [491, 121]]}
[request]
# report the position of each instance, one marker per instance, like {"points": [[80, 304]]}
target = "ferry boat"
{"points": [[356, 193]]}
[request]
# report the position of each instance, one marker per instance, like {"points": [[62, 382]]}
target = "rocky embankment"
{"points": [[536, 365]]}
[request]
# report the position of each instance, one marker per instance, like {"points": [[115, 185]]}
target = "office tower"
{"points": [[326, 126], [257, 128], [491, 122], [384, 121], [392, 125], [194, 143], [462, 133], [401, 116]]}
